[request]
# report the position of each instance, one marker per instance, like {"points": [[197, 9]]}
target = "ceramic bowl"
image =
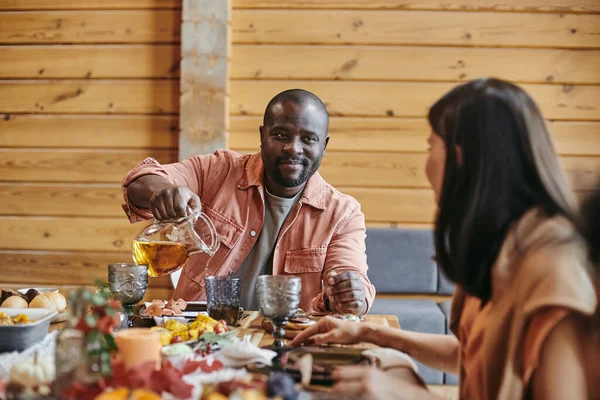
{"points": [[20, 337]]}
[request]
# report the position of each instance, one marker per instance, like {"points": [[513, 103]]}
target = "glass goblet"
{"points": [[128, 282], [278, 299]]}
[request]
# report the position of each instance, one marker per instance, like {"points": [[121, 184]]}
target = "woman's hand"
{"points": [[372, 383], [331, 330]]}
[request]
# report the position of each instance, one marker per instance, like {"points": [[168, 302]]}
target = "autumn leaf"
{"points": [[169, 379], [192, 366]]}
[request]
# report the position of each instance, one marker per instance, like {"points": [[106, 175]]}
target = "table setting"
{"points": [[110, 344]]}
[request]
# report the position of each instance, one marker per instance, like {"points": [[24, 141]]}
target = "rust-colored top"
{"points": [[540, 277]]}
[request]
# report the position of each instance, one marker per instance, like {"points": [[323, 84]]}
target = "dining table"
{"points": [[250, 324]]}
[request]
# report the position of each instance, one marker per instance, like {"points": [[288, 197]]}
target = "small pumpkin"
{"points": [[126, 394], [33, 373]]}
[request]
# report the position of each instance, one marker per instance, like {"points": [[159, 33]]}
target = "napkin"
{"points": [[224, 375], [198, 379], [243, 352], [45, 349], [390, 358]]}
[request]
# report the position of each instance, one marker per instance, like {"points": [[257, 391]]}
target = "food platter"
{"points": [[302, 321], [193, 309], [36, 298]]}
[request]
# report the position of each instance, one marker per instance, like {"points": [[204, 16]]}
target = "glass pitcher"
{"points": [[165, 246]]}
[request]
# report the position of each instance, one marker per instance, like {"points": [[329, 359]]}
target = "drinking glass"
{"points": [[128, 282], [278, 299], [223, 298]]}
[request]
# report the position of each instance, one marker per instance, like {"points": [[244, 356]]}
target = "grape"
{"points": [[282, 385]]}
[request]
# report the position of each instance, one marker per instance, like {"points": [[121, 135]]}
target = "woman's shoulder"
{"points": [[537, 234], [548, 264], [537, 229]]}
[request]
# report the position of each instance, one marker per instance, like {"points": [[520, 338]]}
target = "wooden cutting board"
{"points": [[251, 324]]}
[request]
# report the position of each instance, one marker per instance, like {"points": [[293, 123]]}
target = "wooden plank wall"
{"points": [[88, 88], [380, 64]]}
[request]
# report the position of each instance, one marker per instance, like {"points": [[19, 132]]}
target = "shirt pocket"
{"points": [[305, 261], [229, 233]]}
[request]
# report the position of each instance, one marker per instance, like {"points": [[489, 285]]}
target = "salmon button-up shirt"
{"points": [[324, 232]]}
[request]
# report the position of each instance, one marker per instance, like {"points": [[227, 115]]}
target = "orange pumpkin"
{"points": [[126, 394], [216, 396]]}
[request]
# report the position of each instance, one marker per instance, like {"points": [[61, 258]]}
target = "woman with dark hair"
{"points": [[590, 213], [591, 231], [504, 233]]}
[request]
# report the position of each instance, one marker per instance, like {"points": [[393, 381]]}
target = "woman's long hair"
{"points": [[590, 213], [508, 165]]}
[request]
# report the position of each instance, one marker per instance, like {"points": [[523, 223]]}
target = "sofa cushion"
{"points": [[446, 306], [400, 260], [416, 315], [445, 286], [413, 315], [451, 379]]}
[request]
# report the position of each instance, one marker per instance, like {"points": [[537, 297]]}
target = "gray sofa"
{"points": [[401, 262]]}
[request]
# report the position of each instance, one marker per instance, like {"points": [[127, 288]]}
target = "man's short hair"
{"points": [[300, 97]]}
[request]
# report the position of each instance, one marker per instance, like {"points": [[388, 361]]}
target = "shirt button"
{"points": [[252, 233]]}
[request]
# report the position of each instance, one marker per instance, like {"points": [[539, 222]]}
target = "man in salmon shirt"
{"points": [[273, 211]]}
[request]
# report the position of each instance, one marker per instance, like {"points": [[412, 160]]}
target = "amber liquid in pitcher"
{"points": [[162, 258]]}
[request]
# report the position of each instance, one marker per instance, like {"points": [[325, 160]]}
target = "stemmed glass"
{"points": [[128, 283], [278, 300]]}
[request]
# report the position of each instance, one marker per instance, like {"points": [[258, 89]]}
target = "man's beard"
{"points": [[305, 173]]}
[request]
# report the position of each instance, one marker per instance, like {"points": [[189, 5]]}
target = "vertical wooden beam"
{"points": [[204, 82]]}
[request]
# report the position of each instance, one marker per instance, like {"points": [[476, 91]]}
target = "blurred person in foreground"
{"points": [[505, 234], [591, 231], [274, 213]]}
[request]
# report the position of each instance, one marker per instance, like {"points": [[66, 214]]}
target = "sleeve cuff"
{"points": [[319, 305], [149, 166]]}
